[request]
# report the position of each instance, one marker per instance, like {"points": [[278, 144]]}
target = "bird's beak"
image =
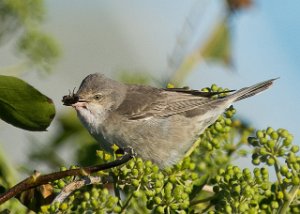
{"points": [[81, 103]]}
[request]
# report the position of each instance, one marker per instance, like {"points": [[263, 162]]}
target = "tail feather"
{"points": [[252, 90]]}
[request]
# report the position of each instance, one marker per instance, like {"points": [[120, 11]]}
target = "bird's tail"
{"points": [[252, 90]]}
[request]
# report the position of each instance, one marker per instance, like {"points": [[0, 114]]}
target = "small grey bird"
{"points": [[159, 124]]}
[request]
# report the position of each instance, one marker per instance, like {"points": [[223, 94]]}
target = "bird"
{"points": [[159, 124]]}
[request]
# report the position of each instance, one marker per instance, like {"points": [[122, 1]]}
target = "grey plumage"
{"points": [[160, 125]]}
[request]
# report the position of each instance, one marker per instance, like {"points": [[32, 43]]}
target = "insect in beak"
{"points": [[70, 99]]}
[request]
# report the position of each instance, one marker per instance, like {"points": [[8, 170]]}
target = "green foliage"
{"points": [[39, 49], [23, 106], [24, 16], [145, 188], [19, 14]]}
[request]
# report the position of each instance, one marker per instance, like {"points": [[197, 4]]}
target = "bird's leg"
{"points": [[130, 152]]}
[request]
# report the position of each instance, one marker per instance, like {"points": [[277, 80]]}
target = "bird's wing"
{"points": [[144, 102]]}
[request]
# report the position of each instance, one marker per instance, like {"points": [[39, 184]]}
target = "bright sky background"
{"points": [[105, 36]]}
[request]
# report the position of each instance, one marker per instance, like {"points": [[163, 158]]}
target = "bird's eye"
{"points": [[97, 97]]}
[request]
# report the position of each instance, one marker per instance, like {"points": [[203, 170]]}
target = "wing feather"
{"points": [[142, 102]]}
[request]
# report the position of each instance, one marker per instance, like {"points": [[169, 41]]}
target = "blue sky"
{"points": [[106, 36]]}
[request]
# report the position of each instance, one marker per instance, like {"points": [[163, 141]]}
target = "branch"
{"points": [[71, 187], [36, 179]]}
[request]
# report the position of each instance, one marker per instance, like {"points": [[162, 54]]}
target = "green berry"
{"points": [[148, 163], [169, 187], [263, 140], [117, 209], [194, 176], [296, 166], [221, 171], [228, 121], [271, 161], [284, 133], [83, 205], [185, 204], [284, 170], [160, 209], [287, 142], [174, 206], [263, 151], [274, 204], [295, 210], [135, 182], [295, 148], [150, 193], [248, 191], [243, 207], [192, 166], [61, 184], [218, 126], [214, 87], [264, 206], [158, 183], [257, 172], [105, 191], [95, 203], [247, 172], [95, 193], [63, 206], [136, 193], [280, 195], [86, 195], [62, 168], [289, 174], [281, 152], [157, 200], [256, 161], [268, 193], [131, 164], [228, 209], [292, 158], [259, 134], [188, 189], [184, 196], [135, 172], [271, 144], [274, 135], [264, 186], [295, 180], [145, 179], [155, 168], [173, 179], [237, 189], [269, 130], [264, 171], [227, 129]]}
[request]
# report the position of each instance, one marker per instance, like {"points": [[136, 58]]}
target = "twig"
{"points": [[37, 179], [71, 187]]}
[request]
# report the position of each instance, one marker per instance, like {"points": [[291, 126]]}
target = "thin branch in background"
{"points": [[184, 38], [37, 179]]}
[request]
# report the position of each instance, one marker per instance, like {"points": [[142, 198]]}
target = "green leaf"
{"points": [[40, 49], [23, 106]]}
